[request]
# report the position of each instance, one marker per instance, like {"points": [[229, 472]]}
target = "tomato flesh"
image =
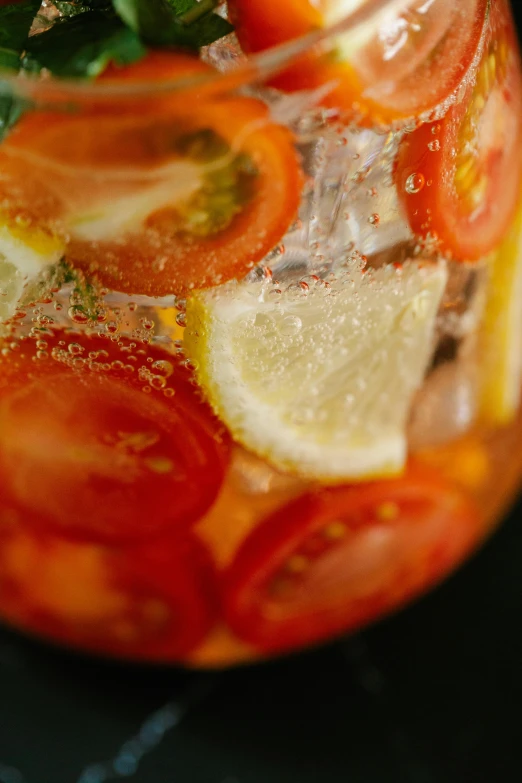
{"points": [[459, 177], [152, 601], [156, 200], [337, 558], [84, 449], [398, 66]]}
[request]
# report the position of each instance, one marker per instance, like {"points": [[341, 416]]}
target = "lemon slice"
{"points": [[319, 378], [501, 332], [26, 253]]}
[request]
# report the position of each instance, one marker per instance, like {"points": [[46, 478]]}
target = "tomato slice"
{"points": [[337, 558], [153, 601], [459, 178], [393, 67], [85, 450], [158, 200]]}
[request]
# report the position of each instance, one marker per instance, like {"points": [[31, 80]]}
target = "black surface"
{"points": [[433, 695]]}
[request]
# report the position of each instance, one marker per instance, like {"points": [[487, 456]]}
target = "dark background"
{"points": [[433, 695]]}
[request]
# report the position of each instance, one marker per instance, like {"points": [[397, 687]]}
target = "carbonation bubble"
{"points": [[291, 325], [158, 382], [181, 319], [434, 146], [414, 183], [77, 315], [163, 367], [75, 349], [374, 219]]}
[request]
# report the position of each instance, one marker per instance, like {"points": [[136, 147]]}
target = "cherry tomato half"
{"points": [[86, 451], [337, 558], [184, 194], [394, 67], [459, 178], [152, 601]]}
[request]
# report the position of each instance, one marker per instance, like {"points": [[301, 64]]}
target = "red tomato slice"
{"points": [[90, 454], [406, 64], [152, 601], [337, 558], [459, 178], [184, 194]]}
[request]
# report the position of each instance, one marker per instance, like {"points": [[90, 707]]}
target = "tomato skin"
{"points": [[189, 262], [356, 582], [437, 209], [261, 24], [153, 601], [90, 455], [58, 168], [380, 84]]}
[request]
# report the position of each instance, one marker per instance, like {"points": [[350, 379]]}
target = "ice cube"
{"points": [[445, 406]]}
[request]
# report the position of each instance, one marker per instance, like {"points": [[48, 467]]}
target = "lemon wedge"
{"points": [[26, 253], [318, 378], [501, 332]]}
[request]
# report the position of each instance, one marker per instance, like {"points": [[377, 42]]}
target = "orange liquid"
{"points": [[486, 465]]}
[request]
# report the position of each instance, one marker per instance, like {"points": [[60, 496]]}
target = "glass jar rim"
{"points": [[255, 68]]}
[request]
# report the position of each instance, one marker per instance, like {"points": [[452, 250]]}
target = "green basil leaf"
{"points": [[184, 23], [83, 45], [75, 7], [15, 23]]}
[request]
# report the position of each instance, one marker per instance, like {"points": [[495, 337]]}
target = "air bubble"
{"points": [[163, 367], [75, 349], [169, 392], [158, 382], [374, 219], [181, 319], [147, 323], [42, 355], [78, 315], [291, 325], [434, 146], [414, 183], [111, 326], [41, 345]]}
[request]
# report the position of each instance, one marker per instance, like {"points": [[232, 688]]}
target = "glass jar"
{"points": [[261, 347]]}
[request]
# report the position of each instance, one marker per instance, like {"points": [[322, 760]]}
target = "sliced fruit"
{"points": [[27, 254], [404, 60], [337, 558], [459, 177], [87, 453], [501, 331], [158, 201], [318, 379], [153, 601]]}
